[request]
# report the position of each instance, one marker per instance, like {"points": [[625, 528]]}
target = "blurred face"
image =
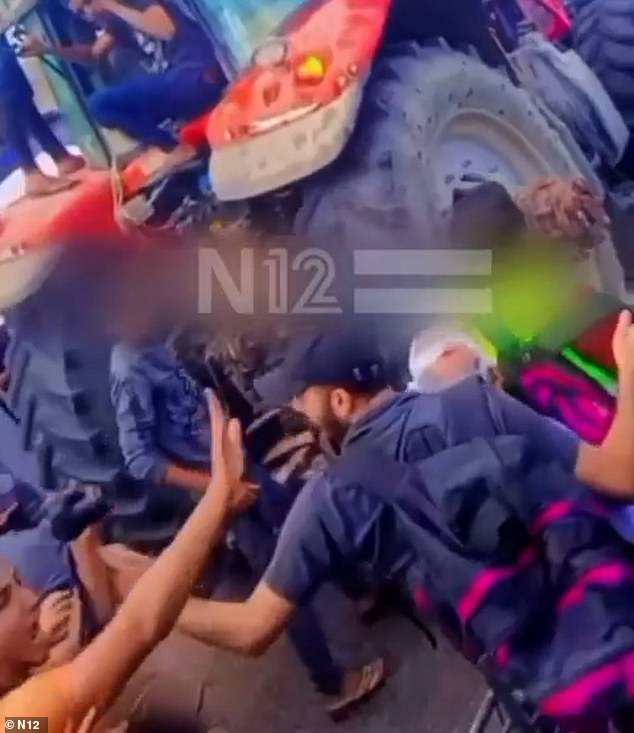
{"points": [[21, 646], [330, 409], [458, 360], [135, 321]]}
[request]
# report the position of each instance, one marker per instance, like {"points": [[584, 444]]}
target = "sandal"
{"points": [[373, 677]]}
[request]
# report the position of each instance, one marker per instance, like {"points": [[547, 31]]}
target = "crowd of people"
{"points": [[504, 526], [479, 510]]}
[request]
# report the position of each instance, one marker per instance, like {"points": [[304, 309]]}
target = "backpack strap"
{"points": [[395, 484], [456, 493], [471, 402], [468, 401]]}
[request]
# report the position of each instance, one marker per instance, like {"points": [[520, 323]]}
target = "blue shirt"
{"points": [[162, 413], [189, 46], [333, 523]]}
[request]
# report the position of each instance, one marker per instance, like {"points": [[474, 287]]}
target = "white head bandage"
{"points": [[429, 345]]}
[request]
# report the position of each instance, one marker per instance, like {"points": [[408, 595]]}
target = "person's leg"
{"points": [[130, 106], [309, 642], [257, 544], [16, 132], [346, 688], [141, 105], [17, 112], [41, 131]]}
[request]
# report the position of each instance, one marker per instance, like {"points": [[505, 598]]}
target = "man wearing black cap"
{"points": [[340, 382]]}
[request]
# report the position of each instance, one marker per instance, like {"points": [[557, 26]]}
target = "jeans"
{"points": [[141, 105], [23, 122], [257, 541]]}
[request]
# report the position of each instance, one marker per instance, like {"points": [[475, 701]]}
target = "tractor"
{"points": [[349, 121], [356, 122]]}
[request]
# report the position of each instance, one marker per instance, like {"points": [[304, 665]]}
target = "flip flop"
{"points": [[373, 677]]}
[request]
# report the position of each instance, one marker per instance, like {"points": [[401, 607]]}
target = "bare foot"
{"points": [[181, 154], [38, 185], [173, 161], [69, 165]]}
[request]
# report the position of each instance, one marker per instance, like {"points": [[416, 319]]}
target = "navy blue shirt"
{"points": [[161, 411], [189, 46], [333, 523]]}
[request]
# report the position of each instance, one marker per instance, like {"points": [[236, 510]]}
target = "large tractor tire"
{"points": [[603, 35], [58, 394], [57, 422], [433, 121]]}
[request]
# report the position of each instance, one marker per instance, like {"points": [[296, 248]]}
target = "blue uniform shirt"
{"points": [[333, 523], [161, 411]]}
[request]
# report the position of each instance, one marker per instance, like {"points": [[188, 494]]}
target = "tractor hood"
{"points": [[292, 109]]}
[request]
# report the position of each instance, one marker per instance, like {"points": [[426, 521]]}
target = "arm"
{"points": [[150, 611], [133, 402], [154, 20], [93, 573], [136, 421], [186, 478], [610, 466], [249, 628], [78, 53], [320, 536]]}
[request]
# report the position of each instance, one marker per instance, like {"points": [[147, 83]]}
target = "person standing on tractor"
{"points": [[185, 80], [23, 123]]}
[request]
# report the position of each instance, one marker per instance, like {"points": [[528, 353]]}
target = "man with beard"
{"points": [[340, 382], [164, 434]]}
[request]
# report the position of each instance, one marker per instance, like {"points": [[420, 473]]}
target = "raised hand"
{"points": [[227, 461], [55, 616], [623, 344]]}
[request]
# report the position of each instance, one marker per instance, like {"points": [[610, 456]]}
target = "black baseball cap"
{"points": [[352, 360]]}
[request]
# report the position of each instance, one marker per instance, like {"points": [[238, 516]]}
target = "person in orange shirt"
{"points": [[73, 695]]}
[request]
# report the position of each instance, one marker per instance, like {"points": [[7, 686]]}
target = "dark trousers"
{"points": [[23, 123], [256, 542], [141, 105]]}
